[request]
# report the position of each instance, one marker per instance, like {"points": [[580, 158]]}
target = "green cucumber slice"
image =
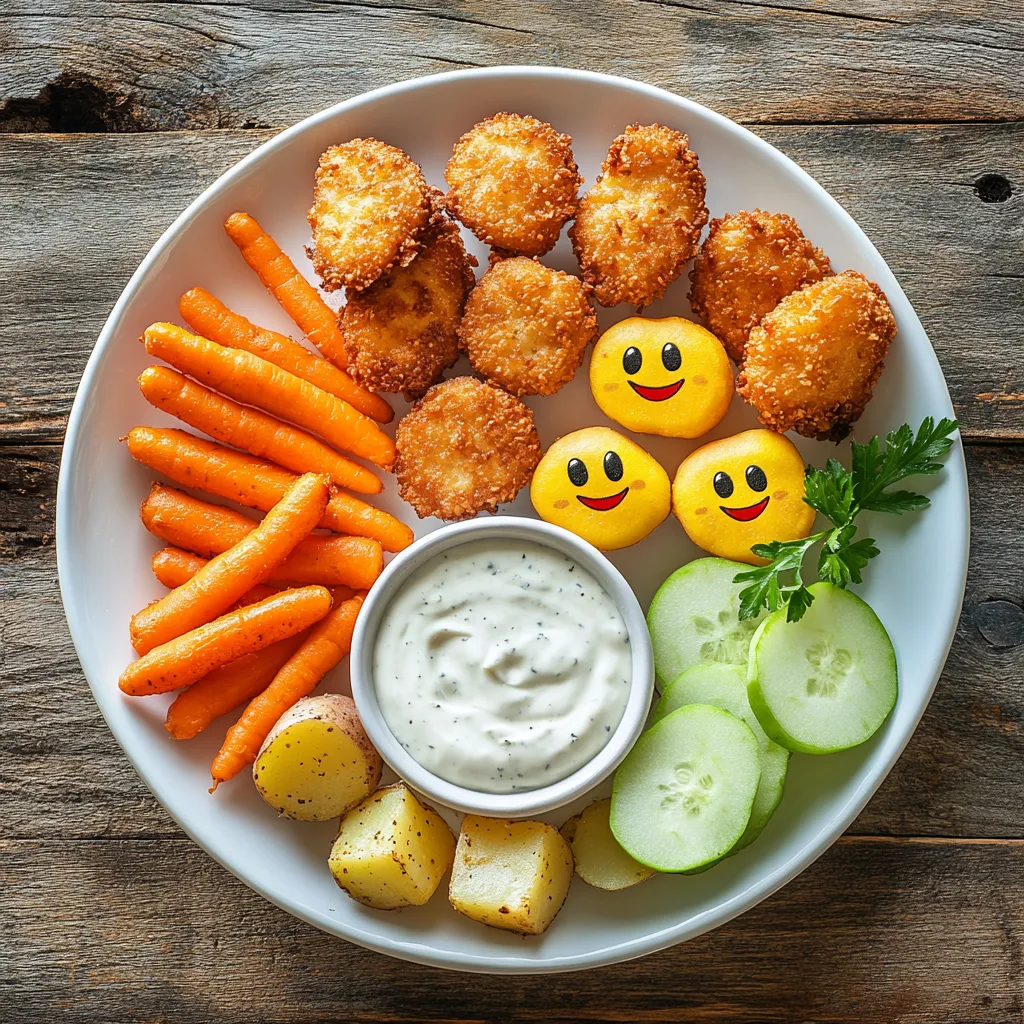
{"points": [[682, 796], [826, 682], [694, 617], [725, 686]]}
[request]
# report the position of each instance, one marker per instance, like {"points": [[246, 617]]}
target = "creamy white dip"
{"points": [[502, 666]]}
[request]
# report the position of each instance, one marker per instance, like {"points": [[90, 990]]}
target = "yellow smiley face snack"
{"points": [[743, 490], [668, 377], [601, 486]]}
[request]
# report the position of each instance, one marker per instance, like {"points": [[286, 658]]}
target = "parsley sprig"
{"points": [[841, 494]]}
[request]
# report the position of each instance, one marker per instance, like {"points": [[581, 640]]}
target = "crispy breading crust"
{"points": [[526, 326], [370, 203], [464, 448], [401, 332], [748, 264], [813, 361], [640, 223], [513, 183]]}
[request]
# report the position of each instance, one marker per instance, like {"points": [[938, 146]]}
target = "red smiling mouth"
{"points": [[603, 504], [662, 394], [746, 515]]}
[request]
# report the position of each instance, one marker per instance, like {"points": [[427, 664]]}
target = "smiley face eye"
{"points": [[756, 480], [723, 485], [578, 474], [632, 360], [612, 466], [671, 358]]}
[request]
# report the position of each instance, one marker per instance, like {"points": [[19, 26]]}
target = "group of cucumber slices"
{"points": [[737, 697]]}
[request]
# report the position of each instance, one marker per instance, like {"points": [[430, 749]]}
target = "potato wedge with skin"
{"points": [[510, 874], [317, 761], [600, 861], [392, 851]]}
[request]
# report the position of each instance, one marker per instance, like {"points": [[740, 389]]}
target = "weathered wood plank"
{"points": [[80, 213], [142, 66], [923, 931], [63, 775]]}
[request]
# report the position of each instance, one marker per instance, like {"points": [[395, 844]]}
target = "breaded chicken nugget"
{"points": [[813, 360], [748, 263], [513, 183], [640, 223], [401, 332], [463, 448], [370, 204], [526, 326]]}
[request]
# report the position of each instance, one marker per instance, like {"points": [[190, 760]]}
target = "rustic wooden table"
{"points": [[114, 115]]}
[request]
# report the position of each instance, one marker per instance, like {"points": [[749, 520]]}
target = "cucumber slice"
{"points": [[682, 796], [826, 682], [694, 617], [725, 686]]}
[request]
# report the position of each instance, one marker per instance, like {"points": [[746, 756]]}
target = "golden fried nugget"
{"points": [[640, 223], [526, 326], [513, 183], [401, 332], [748, 263], [370, 204], [464, 448], [813, 360]]}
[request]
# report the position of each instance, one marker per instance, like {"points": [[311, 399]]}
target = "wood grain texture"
{"points": [[80, 212], [64, 776], [924, 931], [191, 65]]}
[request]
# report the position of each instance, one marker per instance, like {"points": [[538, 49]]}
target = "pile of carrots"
{"points": [[258, 612]]}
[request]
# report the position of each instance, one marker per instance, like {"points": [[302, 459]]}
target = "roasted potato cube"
{"points": [[510, 874], [391, 851], [600, 861]]}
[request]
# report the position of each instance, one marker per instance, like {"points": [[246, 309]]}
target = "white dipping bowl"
{"points": [[544, 798]]}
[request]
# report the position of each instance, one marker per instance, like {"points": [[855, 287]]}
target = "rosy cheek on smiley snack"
{"points": [[601, 486], [743, 490]]}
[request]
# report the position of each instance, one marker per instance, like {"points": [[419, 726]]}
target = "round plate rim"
{"points": [[414, 951]]}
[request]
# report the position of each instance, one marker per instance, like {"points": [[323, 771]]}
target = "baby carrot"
{"points": [[227, 688], [172, 567], [298, 298], [326, 645], [210, 318], [208, 529], [253, 380], [228, 576], [187, 658], [252, 430], [194, 462]]}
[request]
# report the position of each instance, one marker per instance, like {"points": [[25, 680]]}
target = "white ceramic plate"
{"points": [[916, 586]]}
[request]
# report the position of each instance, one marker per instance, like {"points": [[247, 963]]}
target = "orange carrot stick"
{"points": [[254, 381], [297, 297], [326, 645], [227, 688], [210, 318], [187, 658], [208, 529], [252, 430], [222, 581], [194, 462], [172, 567]]}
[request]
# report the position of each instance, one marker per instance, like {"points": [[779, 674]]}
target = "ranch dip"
{"points": [[502, 666]]}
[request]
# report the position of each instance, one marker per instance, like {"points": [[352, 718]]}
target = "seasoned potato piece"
{"points": [[391, 851], [640, 223], [370, 203], [400, 333], [510, 874], [600, 861], [526, 326], [513, 183], [317, 761]]}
